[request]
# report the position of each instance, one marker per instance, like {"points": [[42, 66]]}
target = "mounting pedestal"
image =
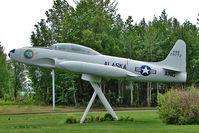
{"points": [[103, 100]]}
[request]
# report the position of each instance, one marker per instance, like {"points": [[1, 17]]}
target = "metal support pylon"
{"points": [[53, 84], [103, 100]]}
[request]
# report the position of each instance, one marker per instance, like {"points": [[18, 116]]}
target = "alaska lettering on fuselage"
{"points": [[115, 64]]}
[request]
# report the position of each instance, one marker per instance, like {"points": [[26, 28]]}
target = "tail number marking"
{"points": [[175, 53]]}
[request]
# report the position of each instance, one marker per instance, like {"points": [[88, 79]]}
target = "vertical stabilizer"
{"points": [[176, 60]]}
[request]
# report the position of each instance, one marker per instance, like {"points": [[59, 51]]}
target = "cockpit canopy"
{"points": [[70, 47]]}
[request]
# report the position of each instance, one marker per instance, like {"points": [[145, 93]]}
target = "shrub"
{"points": [[179, 106], [131, 119], [102, 119], [92, 118], [121, 118], [108, 117], [126, 118], [71, 119]]}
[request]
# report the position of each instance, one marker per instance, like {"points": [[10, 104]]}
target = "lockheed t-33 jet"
{"points": [[93, 65]]}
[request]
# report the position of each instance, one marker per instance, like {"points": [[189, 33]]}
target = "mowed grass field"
{"points": [[144, 122]]}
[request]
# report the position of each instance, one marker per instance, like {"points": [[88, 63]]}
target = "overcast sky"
{"points": [[18, 17]]}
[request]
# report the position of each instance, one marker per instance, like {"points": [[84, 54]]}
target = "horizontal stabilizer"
{"points": [[170, 69]]}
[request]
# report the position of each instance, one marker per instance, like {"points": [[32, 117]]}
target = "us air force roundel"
{"points": [[145, 70], [28, 54]]}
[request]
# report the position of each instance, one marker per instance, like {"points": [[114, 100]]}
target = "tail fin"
{"points": [[176, 60]]}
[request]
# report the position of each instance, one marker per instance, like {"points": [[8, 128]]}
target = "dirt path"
{"points": [[33, 109]]}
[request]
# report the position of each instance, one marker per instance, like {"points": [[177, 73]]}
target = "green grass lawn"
{"points": [[144, 122]]}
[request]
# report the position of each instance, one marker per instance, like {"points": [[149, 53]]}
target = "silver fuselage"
{"points": [[51, 58]]}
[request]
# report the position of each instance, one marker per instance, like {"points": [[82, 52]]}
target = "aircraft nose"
{"points": [[11, 51]]}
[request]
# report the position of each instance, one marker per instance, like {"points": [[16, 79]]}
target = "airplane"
{"points": [[93, 65]]}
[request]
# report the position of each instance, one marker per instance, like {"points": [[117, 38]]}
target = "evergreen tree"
{"points": [[6, 79]]}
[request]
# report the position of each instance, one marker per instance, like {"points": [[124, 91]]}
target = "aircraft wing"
{"points": [[94, 69]]}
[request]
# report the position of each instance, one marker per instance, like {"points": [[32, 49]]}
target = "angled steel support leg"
{"points": [[88, 107], [103, 99]]}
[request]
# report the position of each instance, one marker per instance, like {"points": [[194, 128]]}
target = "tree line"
{"points": [[96, 24]]}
